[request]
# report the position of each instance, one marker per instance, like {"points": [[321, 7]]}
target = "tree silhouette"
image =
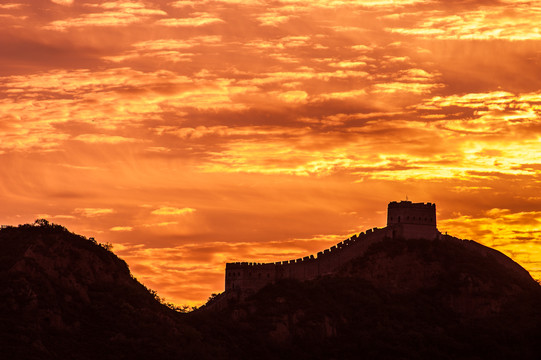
{"points": [[41, 222]]}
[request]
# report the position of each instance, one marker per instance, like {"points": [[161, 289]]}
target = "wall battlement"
{"points": [[404, 220], [350, 241], [411, 205], [249, 277], [406, 212]]}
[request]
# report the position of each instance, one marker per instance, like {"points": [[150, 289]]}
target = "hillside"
{"points": [[63, 296], [414, 299]]}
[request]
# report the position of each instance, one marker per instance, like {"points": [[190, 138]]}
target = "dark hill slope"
{"points": [[65, 297], [412, 299]]}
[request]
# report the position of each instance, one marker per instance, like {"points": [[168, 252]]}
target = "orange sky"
{"points": [[193, 133]]}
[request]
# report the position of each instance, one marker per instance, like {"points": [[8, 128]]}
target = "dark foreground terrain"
{"points": [[63, 296]]}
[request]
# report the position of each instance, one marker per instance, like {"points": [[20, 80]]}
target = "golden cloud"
{"points": [[510, 21], [91, 212], [294, 96], [116, 14], [103, 139], [11, 6], [321, 103], [167, 210], [199, 19], [63, 2], [121, 228]]}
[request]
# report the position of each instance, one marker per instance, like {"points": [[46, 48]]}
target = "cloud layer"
{"points": [[193, 133]]}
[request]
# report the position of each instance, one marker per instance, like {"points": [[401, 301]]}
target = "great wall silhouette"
{"points": [[405, 220]]}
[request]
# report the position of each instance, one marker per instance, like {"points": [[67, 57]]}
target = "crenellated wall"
{"points": [[405, 220], [250, 277]]}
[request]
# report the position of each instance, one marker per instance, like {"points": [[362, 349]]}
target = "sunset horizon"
{"points": [[191, 134]]}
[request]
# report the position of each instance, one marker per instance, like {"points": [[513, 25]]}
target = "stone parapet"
{"points": [[405, 220], [251, 276]]}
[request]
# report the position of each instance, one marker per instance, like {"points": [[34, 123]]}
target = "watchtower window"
{"points": [[399, 219]]}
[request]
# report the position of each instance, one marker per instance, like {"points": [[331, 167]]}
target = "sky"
{"points": [[189, 134]]}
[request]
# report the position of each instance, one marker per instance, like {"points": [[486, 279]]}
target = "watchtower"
{"points": [[412, 220]]}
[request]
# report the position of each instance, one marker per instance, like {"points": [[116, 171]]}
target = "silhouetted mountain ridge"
{"points": [[65, 296], [411, 299]]}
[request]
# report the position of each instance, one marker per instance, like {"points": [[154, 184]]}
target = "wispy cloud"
{"points": [[121, 228], [103, 139], [108, 14], [197, 19], [91, 212], [249, 126], [510, 21], [167, 210], [63, 2]]}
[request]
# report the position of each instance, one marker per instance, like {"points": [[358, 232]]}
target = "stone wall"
{"points": [[406, 212], [412, 220], [249, 277], [414, 231], [405, 220]]}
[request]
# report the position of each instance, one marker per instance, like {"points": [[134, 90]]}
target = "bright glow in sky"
{"points": [[193, 133]]}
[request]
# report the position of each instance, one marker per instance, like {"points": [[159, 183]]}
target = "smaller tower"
{"points": [[412, 220]]}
